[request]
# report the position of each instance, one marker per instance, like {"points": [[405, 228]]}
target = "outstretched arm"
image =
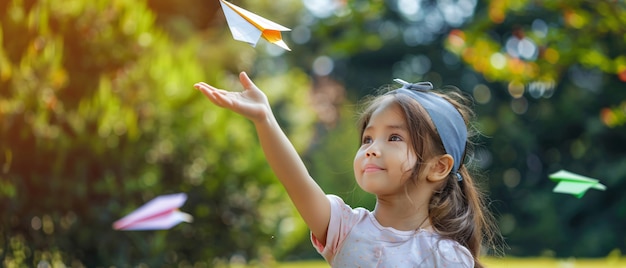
{"points": [[282, 157]]}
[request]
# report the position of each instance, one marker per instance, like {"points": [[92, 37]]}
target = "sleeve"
{"points": [[342, 219]]}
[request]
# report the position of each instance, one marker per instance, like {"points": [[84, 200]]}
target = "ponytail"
{"points": [[459, 211]]}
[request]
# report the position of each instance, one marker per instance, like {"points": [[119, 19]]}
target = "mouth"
{"points": [[372, 168]]}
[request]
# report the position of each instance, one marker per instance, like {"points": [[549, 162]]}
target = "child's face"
{"points": [[384, 160]]}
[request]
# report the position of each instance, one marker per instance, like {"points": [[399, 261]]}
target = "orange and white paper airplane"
{"points": [[159, 213], [249, 27]]}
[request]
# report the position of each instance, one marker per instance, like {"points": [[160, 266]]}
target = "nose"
{"points": [[372, 151]]}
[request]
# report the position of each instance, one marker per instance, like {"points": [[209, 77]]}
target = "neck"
{"points": [[402, 214]]}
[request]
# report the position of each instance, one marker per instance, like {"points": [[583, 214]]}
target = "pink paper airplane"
{"points": [[159, 213]]}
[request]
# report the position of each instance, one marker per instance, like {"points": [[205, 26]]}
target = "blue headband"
{"points": [[447, 119]]}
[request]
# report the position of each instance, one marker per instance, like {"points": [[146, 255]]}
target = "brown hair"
{"points": [[458, 209]]}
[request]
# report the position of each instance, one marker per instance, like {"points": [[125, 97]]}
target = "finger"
{"points": [[221, 100], [246, 82], [204, 86], [206, 89], [215, 95]]}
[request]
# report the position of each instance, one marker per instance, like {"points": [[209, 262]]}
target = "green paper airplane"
{"points": [[571, 183]]}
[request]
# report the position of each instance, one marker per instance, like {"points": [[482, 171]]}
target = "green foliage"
{"points": [[332, 160], [99, 116], [559, 107], [563, 33]]}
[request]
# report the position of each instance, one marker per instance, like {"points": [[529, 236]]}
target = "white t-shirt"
{"points": [[356, 239]]}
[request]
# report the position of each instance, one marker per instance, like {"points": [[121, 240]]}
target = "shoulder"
{"points": [[339, 206], [343, 218]]}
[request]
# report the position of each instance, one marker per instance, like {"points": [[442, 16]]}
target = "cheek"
{"points": [[409, 164], [357, 160], [357, 164]]}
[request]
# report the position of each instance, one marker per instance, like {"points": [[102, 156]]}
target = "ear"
{"points": [[440, 168]]}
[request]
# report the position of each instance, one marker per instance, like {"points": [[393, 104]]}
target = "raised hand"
{"points": [[306, 195], [251, 102]]}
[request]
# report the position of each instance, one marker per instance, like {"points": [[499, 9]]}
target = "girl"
{"points": [[428, 211]]}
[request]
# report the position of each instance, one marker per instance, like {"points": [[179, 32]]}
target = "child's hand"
{"points": [[306, 195], [251, 102]]}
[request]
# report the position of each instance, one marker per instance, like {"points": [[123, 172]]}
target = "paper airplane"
{"points": [[159, 213], [249, 27], [571, 183]]}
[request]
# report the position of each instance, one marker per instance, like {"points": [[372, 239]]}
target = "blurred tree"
{"points": [[562, 64], [98, 115]]}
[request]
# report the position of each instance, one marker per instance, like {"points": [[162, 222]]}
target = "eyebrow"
{"points": [[400, 127]]}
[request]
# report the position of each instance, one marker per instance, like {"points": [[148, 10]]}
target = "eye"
{"points": [[395, 138], [366, 140]]}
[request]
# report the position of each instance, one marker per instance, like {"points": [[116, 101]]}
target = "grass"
{"points": [[554, 263], [508, 262]]}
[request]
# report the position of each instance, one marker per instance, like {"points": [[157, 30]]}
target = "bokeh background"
{"points": [[98, 116]]}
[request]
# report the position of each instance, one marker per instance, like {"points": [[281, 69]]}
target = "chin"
{"points": [[370, 187]]}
